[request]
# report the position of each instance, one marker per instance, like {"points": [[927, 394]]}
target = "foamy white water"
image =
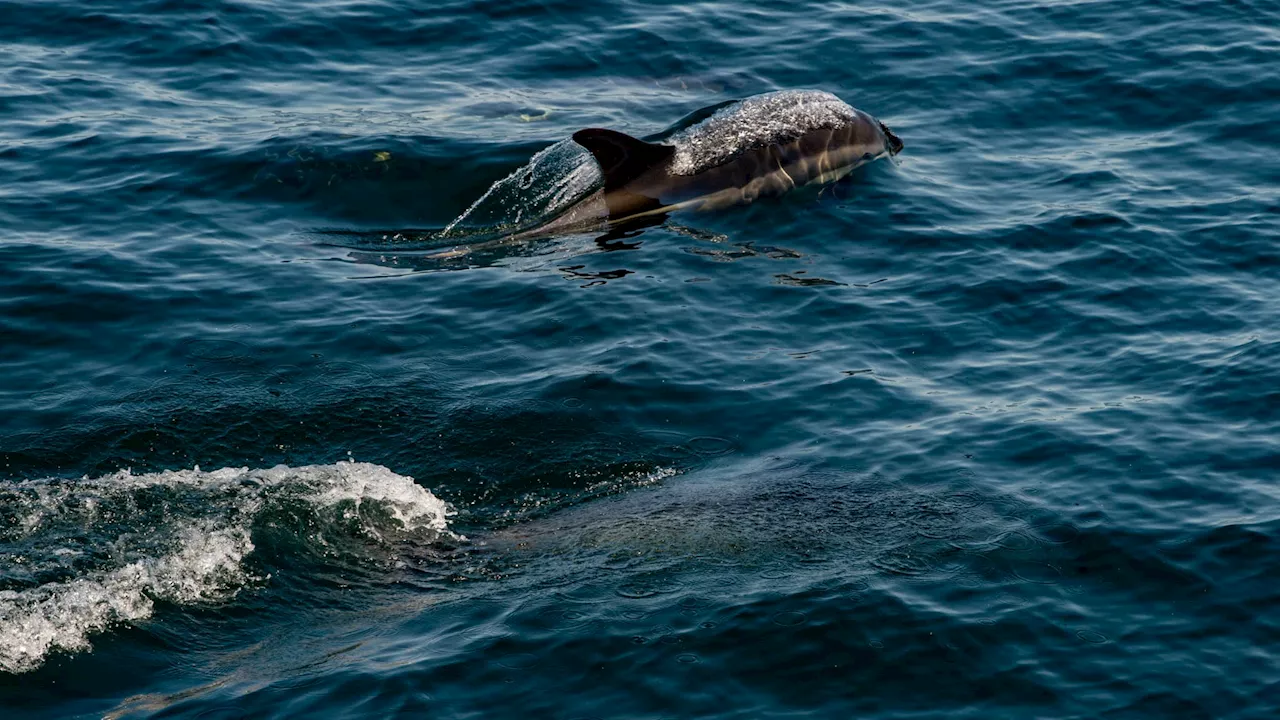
{"points": [[93, 553]]}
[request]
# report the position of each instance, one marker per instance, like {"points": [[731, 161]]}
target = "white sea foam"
{"points": [[98, 552]]}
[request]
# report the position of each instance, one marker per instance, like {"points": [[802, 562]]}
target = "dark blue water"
{"points": [[992, 431]]}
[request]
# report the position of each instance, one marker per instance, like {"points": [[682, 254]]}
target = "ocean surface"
{"points": [[989, 430]]}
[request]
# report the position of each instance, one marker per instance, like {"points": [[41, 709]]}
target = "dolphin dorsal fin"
{"points": [[622, 158]]}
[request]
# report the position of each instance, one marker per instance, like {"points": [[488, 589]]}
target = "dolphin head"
{"points": [[895, 143]]}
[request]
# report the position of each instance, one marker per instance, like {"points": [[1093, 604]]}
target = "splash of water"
{"points": [[81, 556], [542, 189]]}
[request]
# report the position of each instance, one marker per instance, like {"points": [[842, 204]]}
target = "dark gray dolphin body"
{"points": [[726, 155], [762, 146]]}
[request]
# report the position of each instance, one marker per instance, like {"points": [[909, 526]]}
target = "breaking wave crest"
{"points": [[82, 556]]}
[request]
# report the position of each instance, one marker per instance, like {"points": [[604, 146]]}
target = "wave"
{"points": [[83, 556]]}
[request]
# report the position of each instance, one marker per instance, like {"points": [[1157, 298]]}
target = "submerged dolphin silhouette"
{"points": [[761, 146]]}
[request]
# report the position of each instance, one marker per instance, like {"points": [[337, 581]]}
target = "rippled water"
{"points": [[988, 432]]}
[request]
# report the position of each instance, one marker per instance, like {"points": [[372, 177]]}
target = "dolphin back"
{"points": [[771, 119], [736, 152]]}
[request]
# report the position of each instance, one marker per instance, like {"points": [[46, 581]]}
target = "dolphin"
{"points": [[728, 154], [762, 146]]}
